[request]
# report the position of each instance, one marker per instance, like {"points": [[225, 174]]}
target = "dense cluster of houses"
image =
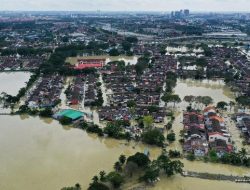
{"points": [[47, 92], [204, 132], [124, 113], [243, 123], [91, 89], [18, 62], [75, 91], [145, 89]]}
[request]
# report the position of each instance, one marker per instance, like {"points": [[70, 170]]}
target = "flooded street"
{"points": [[13, 81]]}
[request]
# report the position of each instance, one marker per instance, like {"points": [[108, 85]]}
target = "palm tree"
{"points": [[122, 159], [102, 175], [78, 186], [243, 153], [117, 166], [95, 179]]}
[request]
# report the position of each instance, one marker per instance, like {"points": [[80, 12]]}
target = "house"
{"points": [[197, 146], [214, 136], [221, 147]]}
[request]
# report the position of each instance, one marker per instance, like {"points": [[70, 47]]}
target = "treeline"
{"points": [[139, 163], [57, 64], [234, 158]]}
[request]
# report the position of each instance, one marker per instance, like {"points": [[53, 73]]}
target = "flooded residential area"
{"points": [[133, 101]]}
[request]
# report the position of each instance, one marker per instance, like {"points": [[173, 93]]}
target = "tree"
{"points": [[148, 121], [102, 175], [176, 99], [171, 98], [151, 174], [122, 159], [213, 156], [243, 153], [131, 103], [140, 159], [118, 166], [116, 179], [76, 187], [206, 100], [126, 45], [222, 105], [97, 186], [132, 39], [114, 52], [153, 137], [174, 154], [191, 156], [170, 167], [243, 101], [131, 167], [189, 99], [171, 137], [46, 112], [95, 179], [113, 130]]}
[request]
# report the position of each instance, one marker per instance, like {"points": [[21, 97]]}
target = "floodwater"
{"points": [[13, 81], [41, 154], [215, 89], [186, 183], [132, 60]]}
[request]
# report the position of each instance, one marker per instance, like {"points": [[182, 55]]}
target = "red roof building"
{"points": [[89, 63]]}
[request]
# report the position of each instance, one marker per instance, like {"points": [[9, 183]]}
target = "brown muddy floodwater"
{"points": [[13, 81], [41, 154]]}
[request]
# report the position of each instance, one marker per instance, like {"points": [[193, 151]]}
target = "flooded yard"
{"points": [[215, 89], [13, 81]]}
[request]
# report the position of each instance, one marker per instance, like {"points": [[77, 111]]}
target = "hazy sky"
{"points": [[126, 5]]}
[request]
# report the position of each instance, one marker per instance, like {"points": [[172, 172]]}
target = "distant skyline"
{"points": [[125, 5]]}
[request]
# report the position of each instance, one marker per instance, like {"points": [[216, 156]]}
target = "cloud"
{"points": [[126, 5]]}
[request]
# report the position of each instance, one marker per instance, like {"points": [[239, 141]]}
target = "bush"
{"points": [[191, 156]]}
